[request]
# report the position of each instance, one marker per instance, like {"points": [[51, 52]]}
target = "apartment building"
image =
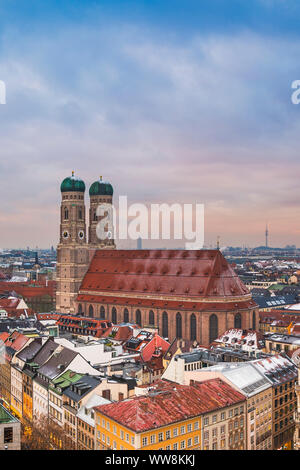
{"points": [[167, 417]]}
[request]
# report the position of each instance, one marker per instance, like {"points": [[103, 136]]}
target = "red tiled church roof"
{"points": [[118, 276]]}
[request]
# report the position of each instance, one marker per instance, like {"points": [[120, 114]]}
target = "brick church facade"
{"points": [[191, 294]]}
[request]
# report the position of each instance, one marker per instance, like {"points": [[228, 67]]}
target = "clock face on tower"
{"points": [[65, 234], [81, 234]]}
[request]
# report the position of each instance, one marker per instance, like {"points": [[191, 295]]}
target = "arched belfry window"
{"points": [[213, 327], [178, 325], [193, 327], [66, 213], [80, 308], [138, 318], [151, 318], [91, 311], [80, 213], [238, 321], [102, 312], [126, 316], [165, 326]]}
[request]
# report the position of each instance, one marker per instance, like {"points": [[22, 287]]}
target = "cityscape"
{"points": [[149, 251], [203, 346]]}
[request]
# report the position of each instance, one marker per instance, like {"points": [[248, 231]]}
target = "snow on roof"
{"points": [[294, 307]]}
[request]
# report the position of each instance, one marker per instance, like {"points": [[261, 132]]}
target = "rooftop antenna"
{"points": [[267, 235]]}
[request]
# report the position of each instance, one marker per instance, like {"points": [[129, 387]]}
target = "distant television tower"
{"points": [[267, 235]]}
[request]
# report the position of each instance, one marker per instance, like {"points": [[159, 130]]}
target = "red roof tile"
{"points": [[202, 273], [169, 403]]}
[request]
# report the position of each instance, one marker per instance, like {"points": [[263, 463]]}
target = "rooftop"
{"points": [[6, 417], [170, 403]]}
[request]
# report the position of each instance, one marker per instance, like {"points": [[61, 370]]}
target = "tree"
{"points": [[44, 434]]}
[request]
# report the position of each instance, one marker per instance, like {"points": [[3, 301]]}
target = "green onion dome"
{"points": [[99, 188], [72, 184]]}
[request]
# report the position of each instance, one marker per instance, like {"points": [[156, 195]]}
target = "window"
{"points": [[182, 429], [196, 425], [206, 421], [178, 325], [152, 439], [189, 442], [126, 315], [253, 321], [91, 311], [182, 444], [193, 327], [102, 312], [238, 321], [189, 427], [151, 317], [168, 434], [145, 441], [213, 327], [138, 318], [114, 315], [165, 325], [8, 435], [160, 437], [175, 432]]}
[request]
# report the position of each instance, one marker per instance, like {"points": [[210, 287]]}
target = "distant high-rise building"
{"points": [[267, 235]]}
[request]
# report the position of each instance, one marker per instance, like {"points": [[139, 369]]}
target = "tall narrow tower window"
{"points": [[66, 214]]}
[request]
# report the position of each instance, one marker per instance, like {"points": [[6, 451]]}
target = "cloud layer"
{"points": [[204, 117]]}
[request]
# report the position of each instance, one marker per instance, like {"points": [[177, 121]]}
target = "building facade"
{"points": [[195, 295], [170, 417]]}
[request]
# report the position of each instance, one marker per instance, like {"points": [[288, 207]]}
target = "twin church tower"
{"points": [[76, 247]]}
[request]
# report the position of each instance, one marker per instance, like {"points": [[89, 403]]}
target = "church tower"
{"points": [[100, 193], [72, 250]]}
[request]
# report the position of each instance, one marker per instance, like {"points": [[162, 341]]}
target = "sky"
{"points": [[171, 101]]}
